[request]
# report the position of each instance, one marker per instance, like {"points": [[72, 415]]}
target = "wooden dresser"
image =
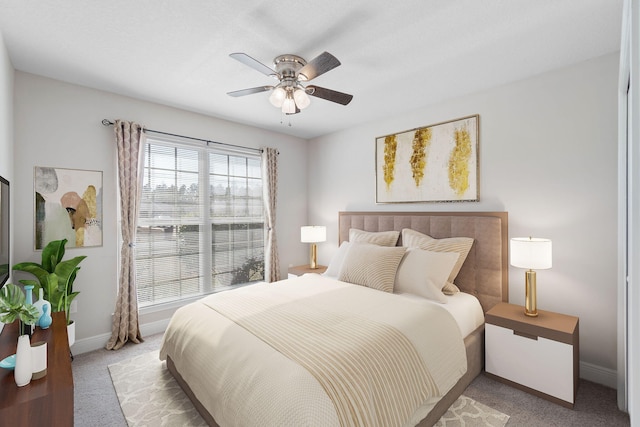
{"points": [[49, 400]]}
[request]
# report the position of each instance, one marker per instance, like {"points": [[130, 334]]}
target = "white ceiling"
{"points": [[396, 56]]}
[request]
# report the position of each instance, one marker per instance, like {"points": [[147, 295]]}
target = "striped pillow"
{"points": [[461, 245], [381, 238], [371, 265]]}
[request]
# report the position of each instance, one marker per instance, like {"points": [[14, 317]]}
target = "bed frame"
{"points": [[484, 274]]}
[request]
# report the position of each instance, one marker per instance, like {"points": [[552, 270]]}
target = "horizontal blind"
{"points": [[201, 222]]}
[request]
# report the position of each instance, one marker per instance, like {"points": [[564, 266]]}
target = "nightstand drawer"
{"points": [[532, 361]]}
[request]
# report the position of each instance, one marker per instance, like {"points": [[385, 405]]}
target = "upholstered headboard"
{"points": [[485, 272]]}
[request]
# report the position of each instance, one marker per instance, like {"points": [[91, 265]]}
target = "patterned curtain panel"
{"points": [[269, 188], [129, 139]]}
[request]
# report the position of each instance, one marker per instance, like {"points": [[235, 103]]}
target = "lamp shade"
{"points": [[531, 253], [289, 105], [313, 233], [277, 97], [301, 98]]}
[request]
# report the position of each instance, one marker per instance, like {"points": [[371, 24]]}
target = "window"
{"points": [[201, 222]]}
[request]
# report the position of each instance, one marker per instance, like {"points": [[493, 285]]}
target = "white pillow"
{"points": [[335, 265], [381, 238], [460, 245], [371, 265], [424, 273]]}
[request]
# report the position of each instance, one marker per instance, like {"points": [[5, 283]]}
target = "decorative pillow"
{"points": [[371, 265], [380, 238], [461, 245], [424, 273], [335, 265]]}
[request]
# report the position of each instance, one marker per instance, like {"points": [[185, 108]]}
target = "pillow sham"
{"points": [[371, 265], [381, 238], [460, 245], [335, 265], [424, 273]]}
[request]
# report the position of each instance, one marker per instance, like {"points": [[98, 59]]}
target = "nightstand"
{"points": [[303, 269], [537, 354]]}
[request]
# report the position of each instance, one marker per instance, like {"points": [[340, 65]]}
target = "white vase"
{"points": [[71, 332], [23, 370]]}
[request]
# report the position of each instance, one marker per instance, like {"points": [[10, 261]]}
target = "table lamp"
{"points": [[313, 234], [530, 253]]}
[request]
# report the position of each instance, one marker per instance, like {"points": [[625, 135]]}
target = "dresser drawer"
{"points": [[536, 362]]}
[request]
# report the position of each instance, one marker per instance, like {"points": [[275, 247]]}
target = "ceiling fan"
{"points": [[291, 70]]}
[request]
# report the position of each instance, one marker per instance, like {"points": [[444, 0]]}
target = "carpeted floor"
{"points": [[96, 403]]}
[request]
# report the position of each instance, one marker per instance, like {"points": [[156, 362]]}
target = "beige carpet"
{"points": [[149, 396]]}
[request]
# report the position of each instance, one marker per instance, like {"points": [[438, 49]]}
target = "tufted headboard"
{"points": [[485, 273]]}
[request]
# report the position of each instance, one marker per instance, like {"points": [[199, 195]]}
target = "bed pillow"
{"points": [[461, 245], [381, 238], [335, 265], [424, 273], [371, 265]]}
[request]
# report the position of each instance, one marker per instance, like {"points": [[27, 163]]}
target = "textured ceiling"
{"points": [[396, 56]]}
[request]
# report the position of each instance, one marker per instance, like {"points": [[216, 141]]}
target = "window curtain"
{"points": [[130, 141], [269, 192]]}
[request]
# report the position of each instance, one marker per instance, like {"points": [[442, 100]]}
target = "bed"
{"points": [[241, 362]]}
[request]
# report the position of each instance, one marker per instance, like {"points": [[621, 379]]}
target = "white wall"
{"points": [[548, 156], [58, 124], [6, 124]]}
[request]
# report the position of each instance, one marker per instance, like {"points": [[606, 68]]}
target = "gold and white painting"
{"points": [[435, 163], [68, 205]]}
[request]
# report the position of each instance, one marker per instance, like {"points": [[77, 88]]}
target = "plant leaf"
{"points": [[52, 254], [12, 303]]}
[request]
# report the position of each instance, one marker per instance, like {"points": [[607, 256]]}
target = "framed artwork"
{"points": [[68, 205], [435, 163]]}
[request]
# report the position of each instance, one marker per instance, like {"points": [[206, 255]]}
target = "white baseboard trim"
{"points": [[86, 345], [98, 342], [598, 374]]}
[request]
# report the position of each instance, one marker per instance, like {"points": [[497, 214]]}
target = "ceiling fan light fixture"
{"points": [[290, 95], [301, 98], [277, 97], [289, 105]]}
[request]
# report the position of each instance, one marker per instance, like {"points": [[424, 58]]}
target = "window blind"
{"points": [[201, 222]]}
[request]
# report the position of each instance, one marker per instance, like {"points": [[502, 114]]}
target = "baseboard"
{"points": [[97, 342], [598, 374]]}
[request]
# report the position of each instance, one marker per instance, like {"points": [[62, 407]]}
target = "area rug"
{"points": [[149, 396]]}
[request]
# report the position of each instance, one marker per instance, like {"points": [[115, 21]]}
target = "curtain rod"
{"points": [[107, 122]]}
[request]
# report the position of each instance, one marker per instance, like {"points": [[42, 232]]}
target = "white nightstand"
{"points": [[302, 269], [537, 354]]}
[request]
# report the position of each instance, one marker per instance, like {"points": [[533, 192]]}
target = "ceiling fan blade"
{"points": [[317, 66], [253, 63], [250, 91], [329, 95]]}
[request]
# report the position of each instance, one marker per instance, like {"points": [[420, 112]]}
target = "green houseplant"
{"points": [[13, 306], [54, 276]]}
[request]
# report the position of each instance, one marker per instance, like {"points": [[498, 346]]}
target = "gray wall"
{"points": [[548, 156], [58, 124]]}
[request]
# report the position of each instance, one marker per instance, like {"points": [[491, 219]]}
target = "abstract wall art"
{"points": [[68, 205], [435, 163]]}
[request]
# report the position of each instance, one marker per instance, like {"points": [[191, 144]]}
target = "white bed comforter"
{"points": [[244, 381]]}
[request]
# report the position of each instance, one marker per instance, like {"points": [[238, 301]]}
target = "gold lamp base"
{"points": [[530, 303], [313, 263]]}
